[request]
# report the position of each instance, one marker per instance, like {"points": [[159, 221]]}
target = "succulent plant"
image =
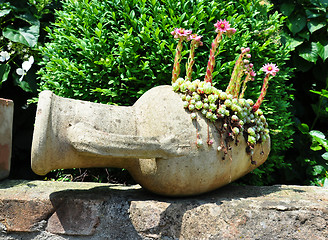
{"points": [[238, 116]]}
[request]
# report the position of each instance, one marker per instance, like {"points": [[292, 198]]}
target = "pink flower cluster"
{"points": [[181, 33], [196, 39]]}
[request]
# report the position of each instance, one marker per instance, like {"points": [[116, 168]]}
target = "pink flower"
{"points": [[222, 26], [196, 39], [181, 33], [270, 68], [230, 32]]}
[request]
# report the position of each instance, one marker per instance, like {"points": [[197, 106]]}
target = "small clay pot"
{"points": [[6, 126]]}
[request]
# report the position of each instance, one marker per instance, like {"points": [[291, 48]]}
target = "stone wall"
{"points": [[61, 210]]}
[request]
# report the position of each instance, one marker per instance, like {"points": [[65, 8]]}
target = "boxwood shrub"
{"points": [[115, 50]]}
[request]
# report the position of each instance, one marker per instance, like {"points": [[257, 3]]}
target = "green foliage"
{"points": [[306, 34], [317, 163], [20, 31], [307, 24], [113, 51]]}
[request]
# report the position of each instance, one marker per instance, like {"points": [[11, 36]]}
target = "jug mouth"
{"points": [[42, 118]]}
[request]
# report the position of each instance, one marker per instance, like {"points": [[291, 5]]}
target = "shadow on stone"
{"points": [[125, 213]]}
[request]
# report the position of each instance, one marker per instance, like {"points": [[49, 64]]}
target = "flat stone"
{"points": [[74, 217], [54, 210]]}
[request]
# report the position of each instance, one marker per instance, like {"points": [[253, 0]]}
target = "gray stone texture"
{"points": [[62, 210]]}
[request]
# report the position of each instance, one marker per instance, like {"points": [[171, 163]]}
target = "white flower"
{"points": [[4, 56], [25, 67]]}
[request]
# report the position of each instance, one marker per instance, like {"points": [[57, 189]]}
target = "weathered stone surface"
{"points": [[6, 127], [117, 212], [155, 140]]}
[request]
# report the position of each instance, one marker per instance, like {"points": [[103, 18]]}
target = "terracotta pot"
{"points": [[6, 125], [155, 140]]}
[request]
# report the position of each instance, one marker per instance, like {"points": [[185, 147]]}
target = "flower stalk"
{"points": [[269, 69], [221, 27], [195, 42], [182, 35]]}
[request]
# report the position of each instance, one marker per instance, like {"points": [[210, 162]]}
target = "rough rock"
{"points": [[61, 210]]}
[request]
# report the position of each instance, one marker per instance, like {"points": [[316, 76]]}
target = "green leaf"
{"points": [[315, 25], [323, 92], [317, 134], [287, 8], [291, 42], [309, 52], [304, 128], [25, 35], [325, 156], [318, 169], [325, 183], [296, 23], [310, 14], [4, 72], [315, 146], [322, 51], [320, 138], [29, 18], [4, 12]]}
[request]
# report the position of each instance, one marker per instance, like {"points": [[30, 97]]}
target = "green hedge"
{"points": [[114, 51]]}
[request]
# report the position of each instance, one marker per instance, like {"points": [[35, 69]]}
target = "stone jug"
{"points": [[154, 140], [6, 127]]}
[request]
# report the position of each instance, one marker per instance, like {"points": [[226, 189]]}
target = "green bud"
{"points": [[251, 131], [183, 87], [191, 107], [199, 143], [214, 117], [227, 103], [251, 139], [250, 102], [197, 97], [193, 115], [223, 95], [198, 105], [185, 104], [235, 131], [213, 107], [204, 111], [234, 118], [208, 88], [175, 87], [180, 81], [209, 115]]}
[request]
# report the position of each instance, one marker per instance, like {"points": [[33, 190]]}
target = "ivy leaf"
{"points": [[4, 12], [325, 156], [309, 52], [322, 51], [315, 25], [291, 42], [25, 35], [318, 169], [304, 128], [287, 8], [4, 72], [296, 23]]}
